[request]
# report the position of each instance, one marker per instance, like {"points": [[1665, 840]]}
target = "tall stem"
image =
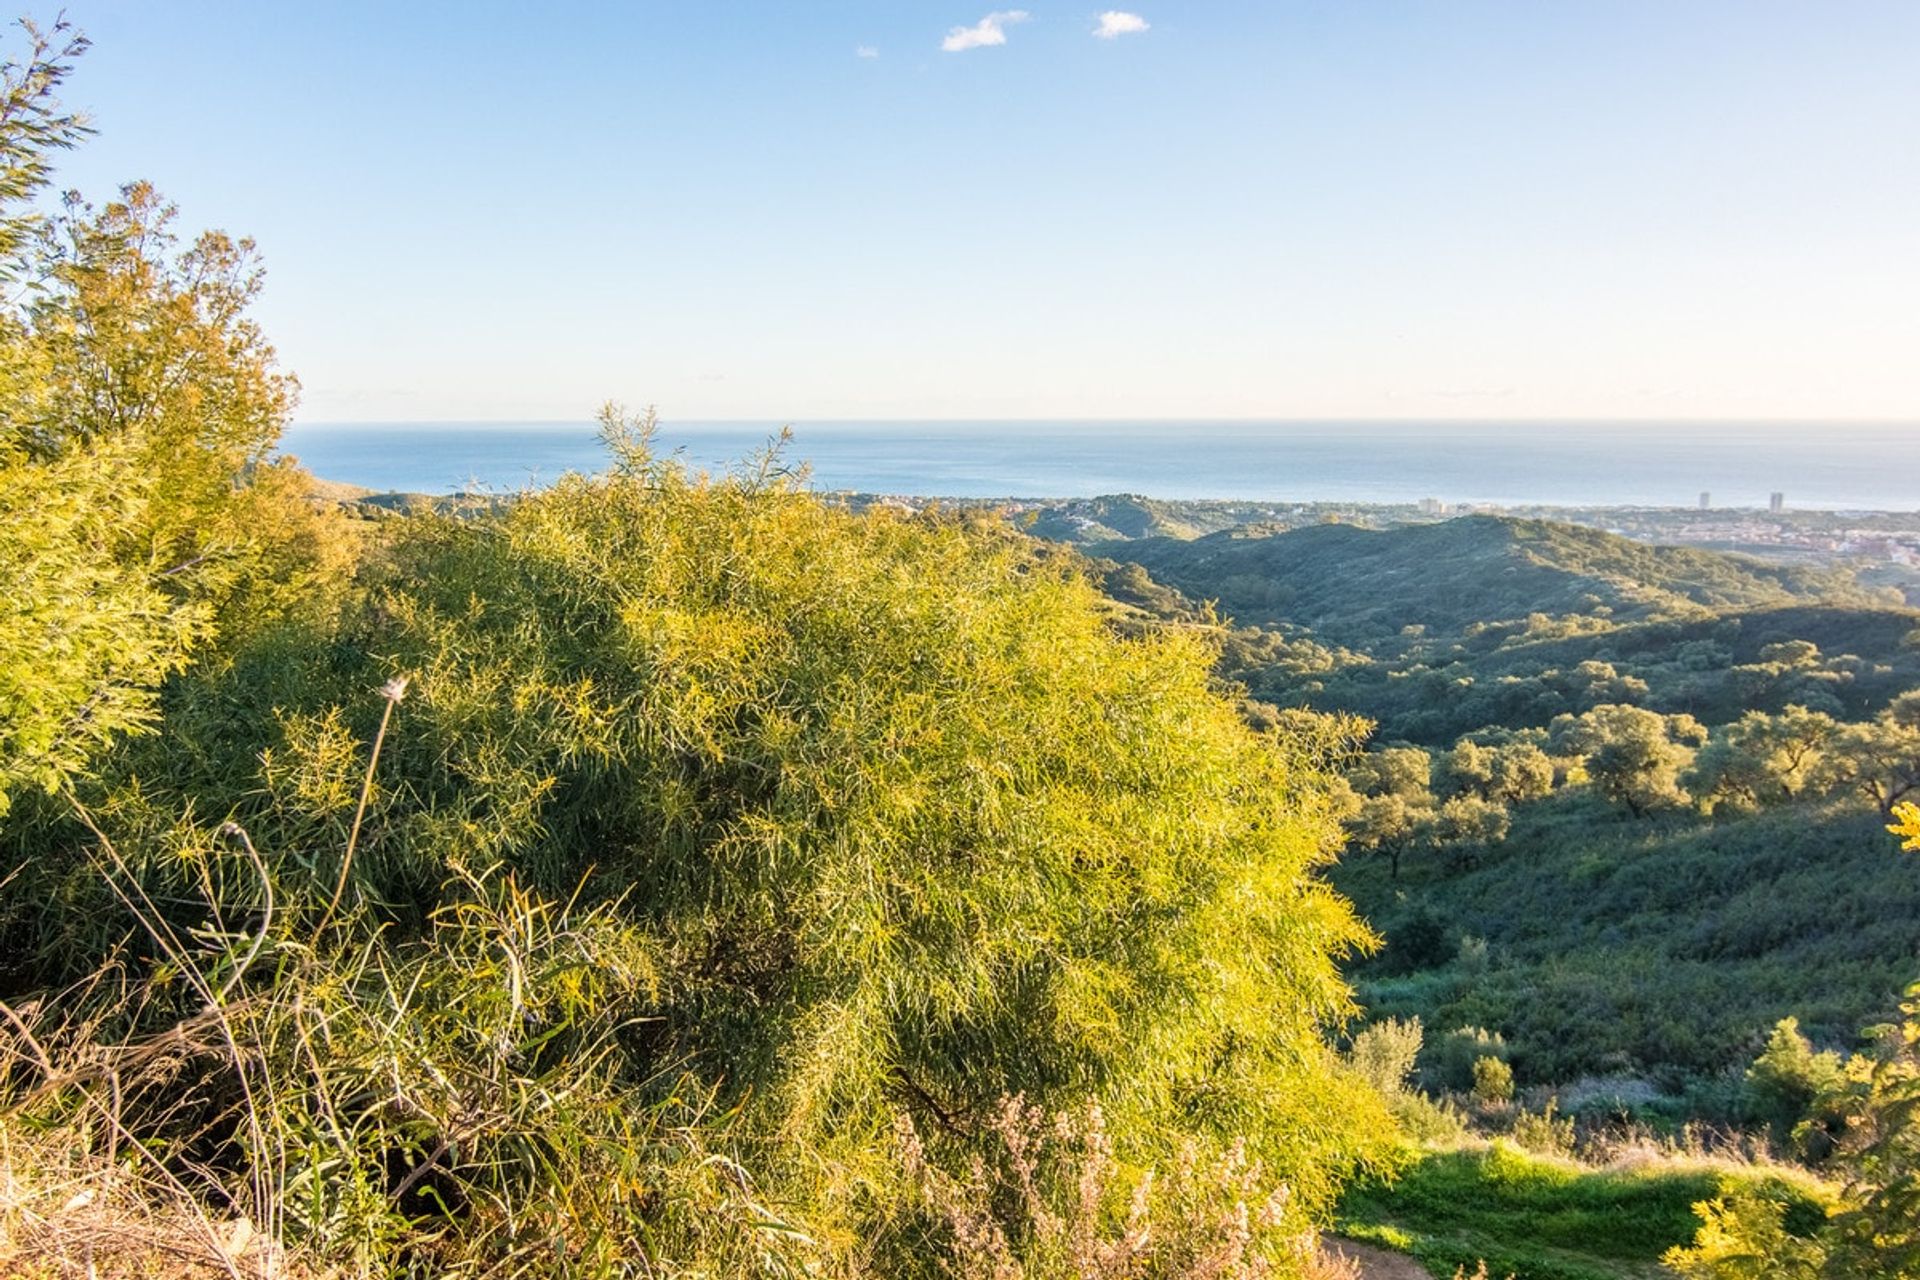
{"points": [[393, 691]]}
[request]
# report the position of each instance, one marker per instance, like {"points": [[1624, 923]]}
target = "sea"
{"points": [[1817, 466]]}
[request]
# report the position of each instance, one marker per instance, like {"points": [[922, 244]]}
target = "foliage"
{"points": [[1879, 758], [1663, 947], [1405, 772], [721, 824], [1520, 774], [1385, 1053], [1875, 1229], [1788, 1079], [137, 341], [1455, 1061], [1633, 757], [1393, 809], [33, 125], [1743, 1236], [139, 517], [1907, 826], [1545, 1132], [87, 632], [1471, 821], [1761, 759], [1492, 1081]]}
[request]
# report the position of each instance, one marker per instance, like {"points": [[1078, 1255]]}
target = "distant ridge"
{"points": [[1347, 582]]}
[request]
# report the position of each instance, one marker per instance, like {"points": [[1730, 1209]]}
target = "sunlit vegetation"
{"points": [[1622, 819], [658, 874], [671, 874]]}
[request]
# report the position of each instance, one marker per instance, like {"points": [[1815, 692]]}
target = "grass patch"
{"points": [[1538, 1218]]}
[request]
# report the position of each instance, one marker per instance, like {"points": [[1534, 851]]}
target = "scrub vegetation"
{"points": [[659, 874], [668, 874]]}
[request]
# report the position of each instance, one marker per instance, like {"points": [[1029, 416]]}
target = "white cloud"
{"points": [[865, 51], [989, 30], [1115, 23]]}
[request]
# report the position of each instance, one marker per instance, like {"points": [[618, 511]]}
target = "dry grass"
{"points": [[1055, 1202], [65, 1213]]}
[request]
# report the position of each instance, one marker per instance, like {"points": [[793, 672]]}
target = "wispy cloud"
{"points": [[865, 51], [1115, 23], [989, 30]]}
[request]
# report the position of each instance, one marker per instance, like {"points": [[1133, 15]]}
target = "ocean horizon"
{"points": [[1818, 466]]}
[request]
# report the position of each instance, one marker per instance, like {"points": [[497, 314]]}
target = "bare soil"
{"points": [[1376, 1263]]}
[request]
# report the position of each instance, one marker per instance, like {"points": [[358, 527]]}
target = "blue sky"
{"points": [[1343, 208]]}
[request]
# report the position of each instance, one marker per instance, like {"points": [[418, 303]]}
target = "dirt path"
{"points": [[1376, 1263]]}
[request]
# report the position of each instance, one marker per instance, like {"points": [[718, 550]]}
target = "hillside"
{"points": [[1355, 585], [1850, 660], [1656, 951], [1650, 946]]}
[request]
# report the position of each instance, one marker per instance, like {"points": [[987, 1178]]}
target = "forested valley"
{"points": [[1618, 811]]}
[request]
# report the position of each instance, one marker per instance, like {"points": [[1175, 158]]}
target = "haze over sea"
{"points": [[1833, 466]]}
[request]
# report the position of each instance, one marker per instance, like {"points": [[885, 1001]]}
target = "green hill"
{"points": [[1127, 516], [1356, 585], [1660, 949]]}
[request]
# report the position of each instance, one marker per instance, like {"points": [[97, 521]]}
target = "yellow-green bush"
{"points": [[723, 831], [875, 814]]}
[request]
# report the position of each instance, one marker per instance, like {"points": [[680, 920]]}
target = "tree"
{"points": [[86, 632], [1762, 759], [1633, 757], [1522, 773], [1467, 770], [1466, 825], [143, 342], [139, 513], [1406, 772], [1597, 683], [1385, 823], [34, 124], [1879, 758], [1394, 801], [1791, 653]]}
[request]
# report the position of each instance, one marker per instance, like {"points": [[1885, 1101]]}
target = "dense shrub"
{"points": [[1785, 1083], [1453, 1062], [1492, 1081], [800, 821], [1386, 1053]]}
